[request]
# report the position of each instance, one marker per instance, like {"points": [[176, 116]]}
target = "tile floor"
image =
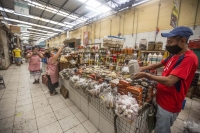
{"points": [[28, 108]]}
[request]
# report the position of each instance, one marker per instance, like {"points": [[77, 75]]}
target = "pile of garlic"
{"points": [[126, 107]]}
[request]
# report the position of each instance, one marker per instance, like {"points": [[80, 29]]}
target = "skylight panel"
{"points": [[93, 3]]}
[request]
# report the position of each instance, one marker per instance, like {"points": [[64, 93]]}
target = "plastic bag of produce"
{"points": [[107, 98], [191, 126], [126, 107]]}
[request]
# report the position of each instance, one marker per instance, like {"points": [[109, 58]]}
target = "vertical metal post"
{"points": [[133, 22], [136, 28], [194, 26], [179, 11], [157, 18], [123, 23], [110, 26]]}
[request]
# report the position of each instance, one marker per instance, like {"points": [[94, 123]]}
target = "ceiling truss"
{"points": [[69, 23]]}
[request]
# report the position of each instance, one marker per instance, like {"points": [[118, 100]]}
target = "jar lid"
{"points": [[132, 61]]}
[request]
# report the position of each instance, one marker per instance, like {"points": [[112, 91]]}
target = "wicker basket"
{"points": [[63, 65]]}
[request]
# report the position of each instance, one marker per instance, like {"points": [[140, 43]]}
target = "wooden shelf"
{"points": [[150, 51], [94, 44]]}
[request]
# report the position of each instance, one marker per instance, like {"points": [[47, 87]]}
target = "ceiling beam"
{"points": [[4, 12], [58, 11], [74, 11], [43, 10], [58, 7]]}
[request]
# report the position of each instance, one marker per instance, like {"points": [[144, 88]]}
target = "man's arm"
{"points": [[168, 81], [151, 67]]}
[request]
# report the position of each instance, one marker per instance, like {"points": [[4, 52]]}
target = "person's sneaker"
{"points": [[38, 81], [54, 93], [35, 82]]}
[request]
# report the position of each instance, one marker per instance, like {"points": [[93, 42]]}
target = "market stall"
{"points": [[99, 82]]}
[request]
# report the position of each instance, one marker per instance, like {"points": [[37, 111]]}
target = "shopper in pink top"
{"points": [[52, 70], [34, 64]]}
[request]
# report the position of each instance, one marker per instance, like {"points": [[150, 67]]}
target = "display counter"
{"points": [[105, 119]]}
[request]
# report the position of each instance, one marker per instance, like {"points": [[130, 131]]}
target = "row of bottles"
{"points": [[154, 58]]}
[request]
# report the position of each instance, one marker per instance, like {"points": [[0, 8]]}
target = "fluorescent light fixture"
{"points": [[27, 23], [69, 23], [22, 25], [42, 31], [36, 33], [90, 8], [36, 18], [83, 1], [24, 31], [103, 9], [123, 9], [49, 9], [93, 3]]}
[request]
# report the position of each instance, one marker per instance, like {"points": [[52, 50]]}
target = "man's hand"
{"points": [[140, 75]]}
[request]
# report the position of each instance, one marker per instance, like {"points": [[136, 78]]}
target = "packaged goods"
{"points": [[107, 98], [137, 90], [125, 70], [126, 107], [124, 83]]}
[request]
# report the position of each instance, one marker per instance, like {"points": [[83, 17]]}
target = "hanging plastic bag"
{"points": [[191, 126]]}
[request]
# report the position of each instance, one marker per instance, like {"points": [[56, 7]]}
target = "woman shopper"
{"points": [[34, 64], [52, 70]]}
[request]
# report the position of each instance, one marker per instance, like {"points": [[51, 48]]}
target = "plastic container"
{"points": [[143, 44], [133, 66], [135, 56], [151, 45], [149, 58], [160, 57], [158, 45], [154, 58]]}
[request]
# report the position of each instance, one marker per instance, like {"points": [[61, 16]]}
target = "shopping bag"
{"points": [[64, 92]]}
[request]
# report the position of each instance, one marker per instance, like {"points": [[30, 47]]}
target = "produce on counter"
{"points": [[63, 59], [107, 98], [115, 91]]}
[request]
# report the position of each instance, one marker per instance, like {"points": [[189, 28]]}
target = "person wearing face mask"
{"points": [[178, 73], [55, 50], [34, 64], [52, 70]]}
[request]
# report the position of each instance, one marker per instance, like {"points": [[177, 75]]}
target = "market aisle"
{"points": [[27, 107]]}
